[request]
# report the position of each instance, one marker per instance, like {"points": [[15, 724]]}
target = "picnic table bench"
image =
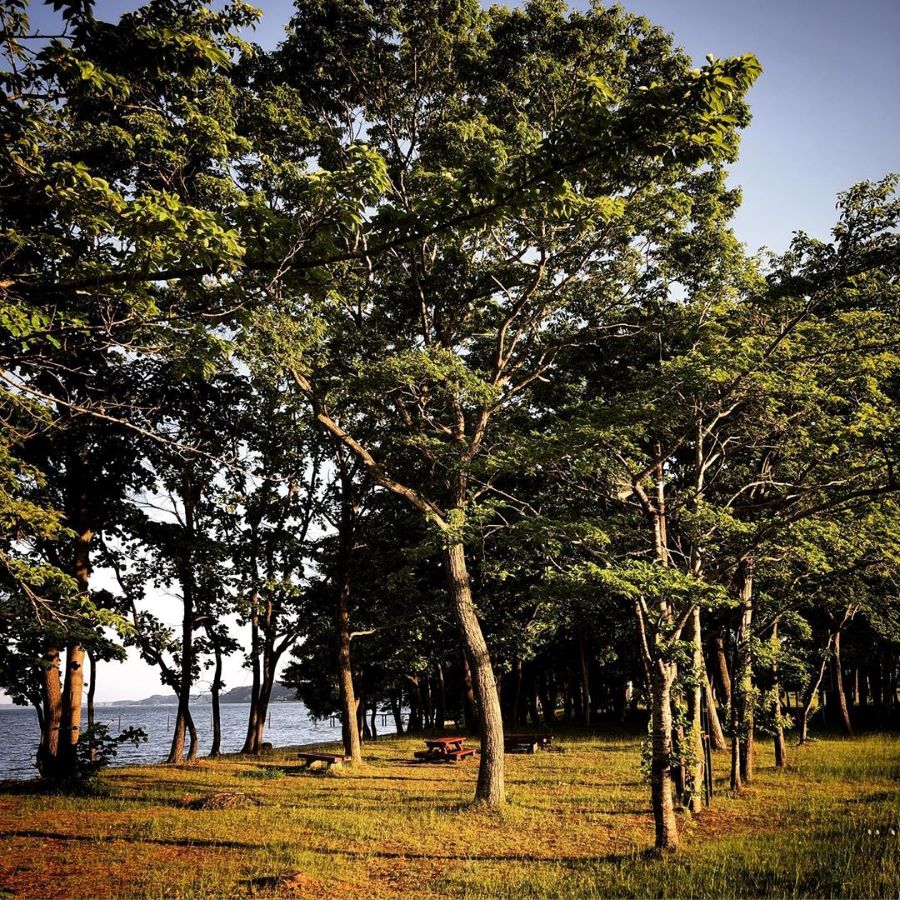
{"points": [[527, 742], [446, 749], [330, 759]]}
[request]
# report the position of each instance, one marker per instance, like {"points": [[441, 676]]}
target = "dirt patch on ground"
{"points": [[221, 800]]}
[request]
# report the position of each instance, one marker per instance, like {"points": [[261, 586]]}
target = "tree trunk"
{"points": [[490, 788], [176, 751], [189, 496], [441, 708], [397, 711], [743, 686], [810, 694], [661, 761], [253, 722], [693, 746], [51, 695], [778, 730], [269, 665], [92, 687], [839, 685], [73, 688], [216, 748], [585, 683], [194, 746], [350, 706], [470, 704], [716, 734], [720, 668], [548, 698], [514, 717]]}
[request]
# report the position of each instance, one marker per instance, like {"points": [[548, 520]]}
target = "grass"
{"points": [[577, 824]]}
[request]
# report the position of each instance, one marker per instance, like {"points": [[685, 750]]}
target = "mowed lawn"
{"points": [[577, 824]]}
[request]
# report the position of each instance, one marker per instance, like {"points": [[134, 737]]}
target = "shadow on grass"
{"points": [[565, 860], [131, 839]]}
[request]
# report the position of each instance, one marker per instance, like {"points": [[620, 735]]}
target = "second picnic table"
{"points": [[445, 749]]}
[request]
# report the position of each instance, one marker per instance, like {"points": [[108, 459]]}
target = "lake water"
{"points": [[290, 725]]}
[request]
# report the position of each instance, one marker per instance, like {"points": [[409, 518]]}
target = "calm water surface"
{"points": [[290, 724]]}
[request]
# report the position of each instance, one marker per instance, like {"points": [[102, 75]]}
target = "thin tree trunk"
{"points": [[548, 698], [92, 687], [350, 706], [194, 746], [189, 496], [216, 748], [694, 738], [716, 734], [397, 711], [778, 732], [73, 689], [490, 788], [585, 683], [839, 685], [743, 686], [252, 724], [720, 668], [810, 694], [441, 709], [661, 762], [269, 666], [514, 717]]}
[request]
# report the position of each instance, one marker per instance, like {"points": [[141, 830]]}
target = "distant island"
{"points": [[235, 695]]}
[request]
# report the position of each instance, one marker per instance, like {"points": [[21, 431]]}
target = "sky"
{"points": [[826, 114]]}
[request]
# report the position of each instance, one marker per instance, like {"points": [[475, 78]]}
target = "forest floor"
{"points": [[577, 824]]}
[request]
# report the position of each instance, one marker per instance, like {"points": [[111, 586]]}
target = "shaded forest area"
{"points": [[422, 346]]}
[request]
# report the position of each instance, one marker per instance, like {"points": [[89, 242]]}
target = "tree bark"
{"points": [[92, 687], [514, 714], [470, 705], [585, 683], [838, 676], [216, 748], [742, 687], [350, 705], [252, 724], [490, 788], [441, 708], [661, 759], [397, 712], [694, 738], [189, 497], [811, 691], [778, 730], [51, 695], [720, 669], [716, 734]]}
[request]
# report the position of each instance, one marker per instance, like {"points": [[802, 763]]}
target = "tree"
{"points": [[517, 157]]}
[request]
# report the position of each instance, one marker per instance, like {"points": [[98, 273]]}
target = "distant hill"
{"points": [[235, 695]]}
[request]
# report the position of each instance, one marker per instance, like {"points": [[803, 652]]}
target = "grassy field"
{"points": [[577, 824]]}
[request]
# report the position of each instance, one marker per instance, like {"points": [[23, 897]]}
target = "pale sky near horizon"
{"points": [[826, 114]]}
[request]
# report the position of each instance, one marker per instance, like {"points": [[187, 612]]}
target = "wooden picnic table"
{"points": [[527, 742], [330, 759], [445, 749]]}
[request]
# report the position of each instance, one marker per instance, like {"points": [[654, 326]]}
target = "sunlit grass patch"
{"points": [[577, 823]]}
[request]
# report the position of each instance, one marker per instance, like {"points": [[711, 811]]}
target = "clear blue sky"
{"points": [[826, 113]]}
